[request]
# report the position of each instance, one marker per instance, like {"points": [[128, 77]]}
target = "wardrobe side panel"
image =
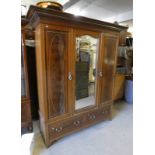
{"points": [[41, 78]]}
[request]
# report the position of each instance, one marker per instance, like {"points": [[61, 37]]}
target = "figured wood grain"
{"points": [[109, 51], [56, 48]]}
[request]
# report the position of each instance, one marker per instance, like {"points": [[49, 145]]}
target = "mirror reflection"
{"points": [[23, 89], [86, 53]]}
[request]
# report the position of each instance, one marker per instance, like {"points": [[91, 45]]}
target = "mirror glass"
{"points": [[23, 88], [85, 84]]}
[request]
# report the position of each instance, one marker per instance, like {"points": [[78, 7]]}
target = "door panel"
{"points": [[24, 71], [23, 84], [56, 65], [109, 52]]}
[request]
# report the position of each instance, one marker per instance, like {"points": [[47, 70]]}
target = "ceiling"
{"points": [[107, 10], [100, 9]]}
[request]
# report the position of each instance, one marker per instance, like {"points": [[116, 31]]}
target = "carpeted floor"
{"points": [[106, 138]]}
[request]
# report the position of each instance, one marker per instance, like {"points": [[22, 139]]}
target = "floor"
{"points": [[106, 138]]}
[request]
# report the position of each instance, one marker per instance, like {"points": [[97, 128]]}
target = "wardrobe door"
{"points": [[86, 81], [24, 71], [57, 49], [26, 121], [109, 53]]}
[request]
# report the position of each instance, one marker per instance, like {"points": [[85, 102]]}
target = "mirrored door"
{"points": [[23, 82], [87, 47], [23, 86]]}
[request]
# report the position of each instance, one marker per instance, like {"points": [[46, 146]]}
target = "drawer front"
{"points": [[97, 115], [61, 128]]}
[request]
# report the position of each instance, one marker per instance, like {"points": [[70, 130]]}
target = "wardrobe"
{"points": [[75, 65], [26, 119]]}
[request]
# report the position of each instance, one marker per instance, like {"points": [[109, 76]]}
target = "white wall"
{"points": [[120, 17], [128, 23]]}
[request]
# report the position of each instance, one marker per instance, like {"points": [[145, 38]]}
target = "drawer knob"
{"points": [[77, 122], [57, 129], [92, 117], [105, 112]]}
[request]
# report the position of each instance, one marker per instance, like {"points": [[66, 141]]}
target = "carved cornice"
{"points": [[36, 13]]}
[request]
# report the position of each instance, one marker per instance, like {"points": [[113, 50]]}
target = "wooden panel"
{"points": [[119, 86], [24, 71], [26, 120], [109, 51], [41, 78], [41, 70], [25, 112], [67, 126], [98, 114], [50, 15], [56, 66]]}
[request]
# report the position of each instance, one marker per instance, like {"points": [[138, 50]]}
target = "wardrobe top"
{"points": [[35, 12]]}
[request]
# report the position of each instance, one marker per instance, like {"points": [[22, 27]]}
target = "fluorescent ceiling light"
{"points": [[62, 2], [76, 11]]}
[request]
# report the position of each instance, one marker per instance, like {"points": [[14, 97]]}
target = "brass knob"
{"points": [[92, 117], [53, 129], [57, 129], [77, 122]]}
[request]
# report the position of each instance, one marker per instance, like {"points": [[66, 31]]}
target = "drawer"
{"points": [[97, 115], [67, 126], [64, 127]]}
